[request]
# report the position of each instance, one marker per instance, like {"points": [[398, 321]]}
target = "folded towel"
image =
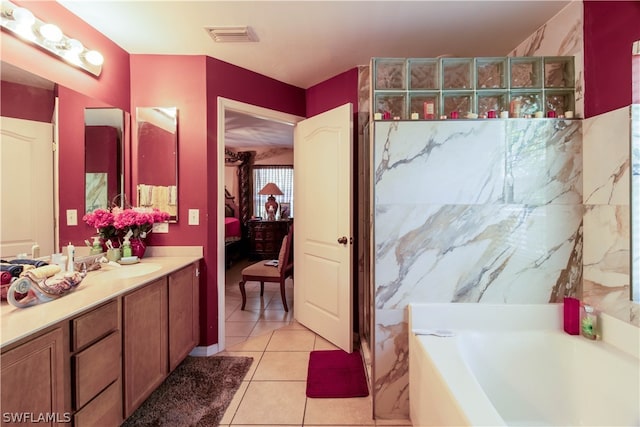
{"points": [[434, 332], [34, 262], [14, 269], [5, 277], [43, 272]]}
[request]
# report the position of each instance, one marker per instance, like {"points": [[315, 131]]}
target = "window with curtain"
{"points": [[282, 176]]}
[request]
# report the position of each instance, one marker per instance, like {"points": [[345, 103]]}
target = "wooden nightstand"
{"points": [[265, 237]]}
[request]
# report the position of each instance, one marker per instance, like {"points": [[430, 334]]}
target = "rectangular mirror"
{"points": [[104, 130], [157, 159]]}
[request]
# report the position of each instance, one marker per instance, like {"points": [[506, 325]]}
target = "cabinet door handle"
{"points": [[343, 240]]}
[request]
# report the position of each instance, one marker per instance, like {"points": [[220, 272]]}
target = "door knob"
{"points": [[343, 240]]}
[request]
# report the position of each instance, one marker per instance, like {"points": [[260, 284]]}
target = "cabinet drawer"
{"points": [[94, 325], [104, 410], [95, 368]]}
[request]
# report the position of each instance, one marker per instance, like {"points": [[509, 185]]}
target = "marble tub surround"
{"points": [[607, 221], [478, 211], [97, 287], [562, 35]]}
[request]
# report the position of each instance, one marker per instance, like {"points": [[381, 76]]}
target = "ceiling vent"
{"points": [[232, 34]]}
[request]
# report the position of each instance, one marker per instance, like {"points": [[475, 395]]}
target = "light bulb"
{"points": [[94, 57], [74, 46], [51, 32], [23, 16]]}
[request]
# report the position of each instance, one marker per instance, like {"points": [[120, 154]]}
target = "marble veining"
{"points": [[425, 152], [562, 35], [470, 211], [606, 158]]}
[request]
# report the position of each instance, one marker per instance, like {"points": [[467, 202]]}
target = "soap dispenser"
{"points": [[589, 323], [126, 246], [96, 248]]}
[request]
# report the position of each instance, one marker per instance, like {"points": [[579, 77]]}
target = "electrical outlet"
{"points": [[160, 227], [72, 217], [194, 216]]}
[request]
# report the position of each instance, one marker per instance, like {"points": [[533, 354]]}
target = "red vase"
{"points": [[137, 247]]}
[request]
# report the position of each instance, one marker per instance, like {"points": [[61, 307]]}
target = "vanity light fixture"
{"points": [[22, 23]]}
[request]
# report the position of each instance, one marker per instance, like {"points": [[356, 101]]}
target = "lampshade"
{"points": [[271, 207], [270, 189]]}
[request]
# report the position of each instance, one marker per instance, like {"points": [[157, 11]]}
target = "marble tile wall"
{"points": [[562, 35], [469, 211], [607, 235]]}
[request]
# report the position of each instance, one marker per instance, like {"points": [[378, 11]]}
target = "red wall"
{"points": [[610, 28], [333, 92], [112, 87], [193, 84], [26, 102], [77, 89]]}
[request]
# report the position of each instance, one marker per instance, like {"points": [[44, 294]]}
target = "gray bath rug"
{"points": [[196, 393]]}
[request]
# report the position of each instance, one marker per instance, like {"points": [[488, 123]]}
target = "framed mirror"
{"points": [[104, 131], [157, 159]]}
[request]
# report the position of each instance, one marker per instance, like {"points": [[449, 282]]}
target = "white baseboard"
{"points": [[205, 351]]}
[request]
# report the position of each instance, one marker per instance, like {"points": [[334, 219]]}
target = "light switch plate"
{"points": [[160, 227], [72, 217], [194, 216]]}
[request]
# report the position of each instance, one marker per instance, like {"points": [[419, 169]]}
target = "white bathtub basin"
{"points": [[513, 365]]}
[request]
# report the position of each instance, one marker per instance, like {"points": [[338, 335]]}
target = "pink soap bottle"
{"points": [[571, 315]]}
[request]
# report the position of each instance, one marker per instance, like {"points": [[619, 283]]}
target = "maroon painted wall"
{"points": [[112, 87], [333, 92], [610, 28], [232, 82], [77, 89], [72, 162], [26, 102], [193, 84]]}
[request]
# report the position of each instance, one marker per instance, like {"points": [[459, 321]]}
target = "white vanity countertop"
{"points": [[96, 288]]}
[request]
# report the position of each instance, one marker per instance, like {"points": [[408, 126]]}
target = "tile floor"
{"points": [[273, 393]]}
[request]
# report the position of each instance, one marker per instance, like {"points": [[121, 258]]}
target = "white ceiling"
{"points": [[306, 42]]}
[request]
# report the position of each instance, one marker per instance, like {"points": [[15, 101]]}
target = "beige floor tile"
{"points": [[239, 329], [267, 327], [257, 343], [232, 341], [245, 316], [355, 411], [322, 344], [257, 355], [291, 340], [235, 402], [283, 365], [279, 315], [393, 423], [272, 402], [295, 325]]}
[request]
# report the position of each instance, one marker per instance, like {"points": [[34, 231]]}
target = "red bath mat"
{"points": [[336, 373]]}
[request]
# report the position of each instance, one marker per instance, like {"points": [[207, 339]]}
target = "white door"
{"points": [[26, 153], [323, 223]]}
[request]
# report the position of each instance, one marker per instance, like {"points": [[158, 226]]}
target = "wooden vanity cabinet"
{"points": [[96, 365], [160, 328], [33, 380], [145, 327], [184, 322]]}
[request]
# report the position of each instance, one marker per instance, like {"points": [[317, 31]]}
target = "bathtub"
{"points": [[513, 365]]}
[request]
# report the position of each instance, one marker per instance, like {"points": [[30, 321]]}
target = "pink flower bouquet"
{"points": [[116, 223]]}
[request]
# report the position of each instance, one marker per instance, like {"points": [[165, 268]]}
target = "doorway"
{"points": [[228, 107]]}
